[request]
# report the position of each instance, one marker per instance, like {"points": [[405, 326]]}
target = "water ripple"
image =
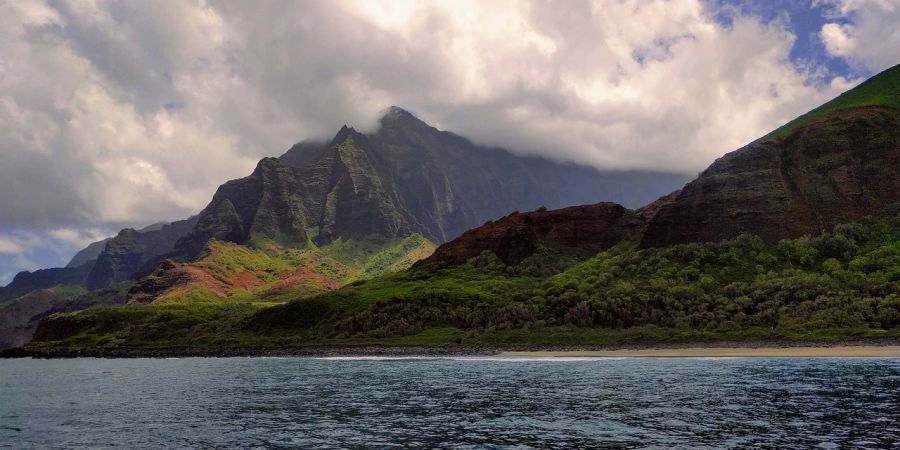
{"points": [[453, 402]]}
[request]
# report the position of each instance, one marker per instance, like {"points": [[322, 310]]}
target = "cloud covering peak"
{"points": [[120, 112]]}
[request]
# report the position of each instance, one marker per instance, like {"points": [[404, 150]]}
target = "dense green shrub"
{"points": [[847, 278]]}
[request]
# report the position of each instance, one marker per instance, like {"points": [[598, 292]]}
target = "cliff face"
{"points": [[838, 168], [340, 195], [25, 282], [126, 253], [516, 236], [94, 267], [88, 254], [836, 164]]}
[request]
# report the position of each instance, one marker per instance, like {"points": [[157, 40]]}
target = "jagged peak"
{"points": [[396, 115], [343, 134], [304, 152], [397, 111], [267, 165], [268, 161]]}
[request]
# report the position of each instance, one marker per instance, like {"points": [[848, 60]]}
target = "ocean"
{"points": [[450, 403]]}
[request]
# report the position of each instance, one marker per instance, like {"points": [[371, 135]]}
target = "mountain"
{"points": [[837, 164], [796, 236], [517, 236], [407, 178], [130, 250], [88, 254], [120, 258], [104, 264], [375, 190], [93, 250], [325, 214], [25, 282], [20, 317]]}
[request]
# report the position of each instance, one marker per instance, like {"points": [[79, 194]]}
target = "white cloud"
{"points": [[871, 38], [77, 238], [29, 250], [8, 246], [121, 112]]}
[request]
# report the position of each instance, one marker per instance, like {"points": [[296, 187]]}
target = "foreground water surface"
{"points": [[479, 403]]}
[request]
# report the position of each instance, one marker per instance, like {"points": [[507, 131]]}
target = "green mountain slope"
{"points": [[881, 90], [272, 273], [795, 236], [844, 284]]}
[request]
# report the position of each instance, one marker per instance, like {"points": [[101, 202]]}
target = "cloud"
{"points": [[865, 32], [615, 84], [29, 250], [118, 112], [8, 246]]}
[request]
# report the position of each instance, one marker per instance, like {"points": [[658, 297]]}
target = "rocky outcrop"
{"points": [[341, 195], [169, 275], [836, 169], [127, 253], [839, 168], [93, 250], [88, 254], [516, 236]]}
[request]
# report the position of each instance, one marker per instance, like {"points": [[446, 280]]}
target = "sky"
{"points": [[126, 113]]}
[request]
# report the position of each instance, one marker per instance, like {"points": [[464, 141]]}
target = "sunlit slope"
{"points": [[882, 90]]}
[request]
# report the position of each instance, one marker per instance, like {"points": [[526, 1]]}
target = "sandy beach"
{"points": [[761, 352]]}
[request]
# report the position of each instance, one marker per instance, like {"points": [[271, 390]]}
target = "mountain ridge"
{"points": [[359, 192], [836, 164], [792, 237], [406, 178]]}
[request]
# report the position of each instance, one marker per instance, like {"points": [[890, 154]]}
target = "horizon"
{"points": [[129, 117]]}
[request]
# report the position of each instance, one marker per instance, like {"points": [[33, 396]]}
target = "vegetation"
{"points": [[880, 90], [270, 272], [844, 284]]}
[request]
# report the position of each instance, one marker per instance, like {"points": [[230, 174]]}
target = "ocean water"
{"points": [[459, 403]]}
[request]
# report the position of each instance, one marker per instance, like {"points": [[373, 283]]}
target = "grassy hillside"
{"points": [[840, 285], [271, 273], [881, 90]]}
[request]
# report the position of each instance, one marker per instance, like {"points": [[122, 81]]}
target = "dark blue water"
{"points": [[317, 403]]}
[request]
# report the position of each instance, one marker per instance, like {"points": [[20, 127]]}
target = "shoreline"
{"points": [[838, 351], [748, 349]]}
